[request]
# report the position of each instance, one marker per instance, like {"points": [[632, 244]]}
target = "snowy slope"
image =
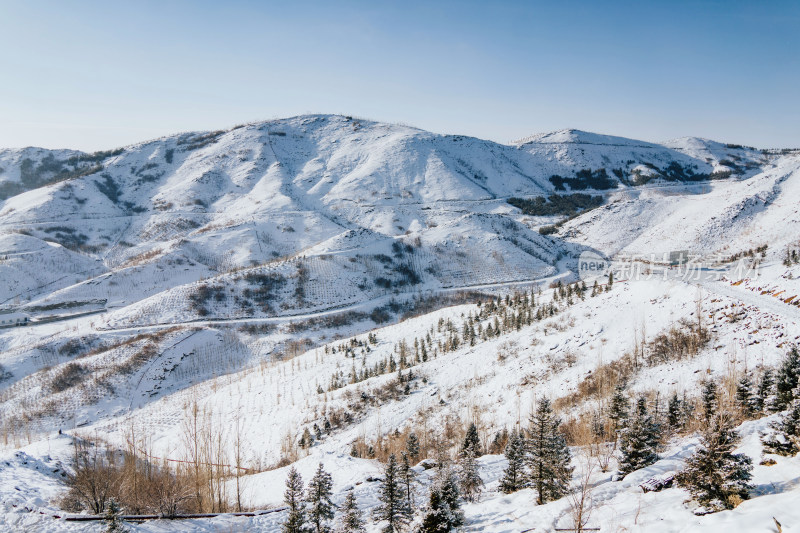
{"points": [[726, 217], [636, 162], [225, 267], [281, 398]]}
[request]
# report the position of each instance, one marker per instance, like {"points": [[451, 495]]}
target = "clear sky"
{"points": [[95, 75]]}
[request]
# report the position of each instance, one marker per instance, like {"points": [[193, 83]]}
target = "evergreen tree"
{"points": [[470, 481], [549, 456], [710, 400], [443, 512], [598, 424], [499, 442], [293, 498], [639, 441], [318, 497], [618, 413], [514, 477], [472, 441], [716, 477], [745, 394], [352, 520], [113, 517], [764, 400], [788, 379], [407, 476], [393, 507], [412, 445], [784, 437], [675, 418], [306, 440]]}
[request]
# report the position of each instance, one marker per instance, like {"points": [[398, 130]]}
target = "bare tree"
{"points": [[580, 500], [131, 468], [167, 492], [603, 452], [238, 457], [192, 438], [96, 478], [221, 470]]}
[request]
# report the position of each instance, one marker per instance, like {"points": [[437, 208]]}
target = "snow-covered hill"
{"points": [[180, 208], [243, 270]]}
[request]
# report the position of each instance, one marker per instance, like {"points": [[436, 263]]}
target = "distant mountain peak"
{"points": [[575, 136]]}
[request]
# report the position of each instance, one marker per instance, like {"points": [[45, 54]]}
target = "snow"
{"points": [[332, 204]]}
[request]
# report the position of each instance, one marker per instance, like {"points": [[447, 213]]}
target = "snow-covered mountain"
{"points": [[243, 269], [197, 203]]}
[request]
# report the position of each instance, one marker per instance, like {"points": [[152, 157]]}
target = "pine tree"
{"points": [[470, 481], [443, 512], [710, 400], [675, 418], [393, 507], [318, 497], [514, 477], [412, 445], [549, 456], [472, 441], [657, 412], [499, 442], [764, 400], [306, 440], [716, 477], [640, 441], [744, 395], [618, 413], [352, 520], [293, 498], [113, 517], [784, 435], [407, 476], [788, 379], [598, 425]]}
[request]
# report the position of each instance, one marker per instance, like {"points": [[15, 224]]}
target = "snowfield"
{"points": [[257, 273]]}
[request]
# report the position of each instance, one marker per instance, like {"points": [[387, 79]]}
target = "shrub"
{"points": [[203, 294], [548, 230], [676, 344], [138, 359], [108, 187], [193, 142], [68, 377], [408, 276], [379, 315], [50, 170], [103, 475], [584, 179], [556, 204], [382, 282], [4, 374]]}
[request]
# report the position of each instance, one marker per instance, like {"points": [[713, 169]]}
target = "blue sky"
{"points": [[95, 75]]}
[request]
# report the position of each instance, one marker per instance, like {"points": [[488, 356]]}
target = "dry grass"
{"points": [[142, 258]]}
